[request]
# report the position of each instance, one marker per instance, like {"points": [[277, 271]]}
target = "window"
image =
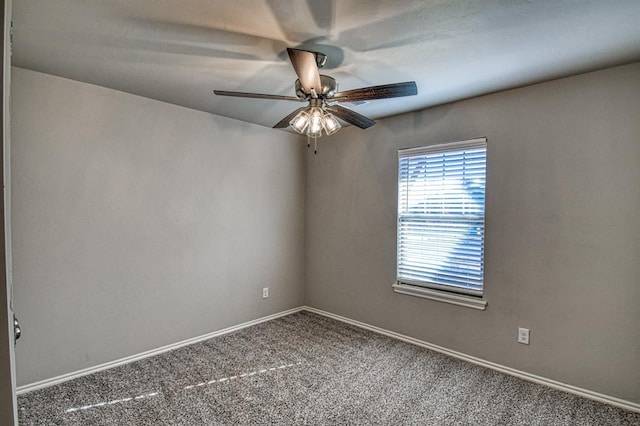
{"points": [[441, 192]]}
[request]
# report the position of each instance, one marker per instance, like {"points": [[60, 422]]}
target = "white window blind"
{"points": [[441, 198]]}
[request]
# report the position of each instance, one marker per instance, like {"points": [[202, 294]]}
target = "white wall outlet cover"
{"points": [[265, 292], [523, 335]]}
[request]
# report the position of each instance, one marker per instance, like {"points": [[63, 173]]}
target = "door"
{"points": [[8, 412]]}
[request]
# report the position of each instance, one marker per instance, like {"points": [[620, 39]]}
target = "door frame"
{"points": [[8, 405]]}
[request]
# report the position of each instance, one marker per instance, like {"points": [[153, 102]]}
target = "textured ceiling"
{"points": [[177, 51]]}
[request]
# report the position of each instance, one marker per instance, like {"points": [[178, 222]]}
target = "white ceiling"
{"points": [[177, 51]]}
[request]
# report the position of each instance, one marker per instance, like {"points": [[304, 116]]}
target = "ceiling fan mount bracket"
{"points": [[321, 59]]}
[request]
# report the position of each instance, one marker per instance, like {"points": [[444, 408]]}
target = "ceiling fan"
{"points": [[321, 93]]}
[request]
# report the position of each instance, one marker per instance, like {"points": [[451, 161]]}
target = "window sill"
{"points": [[441, 296]]}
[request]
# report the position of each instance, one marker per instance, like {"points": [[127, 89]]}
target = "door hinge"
{"points": [[11, 31], [16, 329]]}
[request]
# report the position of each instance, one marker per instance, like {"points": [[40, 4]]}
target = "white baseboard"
{"points": [[73, 375], [627, 405]]}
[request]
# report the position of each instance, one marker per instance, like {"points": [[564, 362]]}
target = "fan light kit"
{"points": [[321, 93], [312, 120]]}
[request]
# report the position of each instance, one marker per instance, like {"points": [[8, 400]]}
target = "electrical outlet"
{"points": [[265, 292], [523, 336]]}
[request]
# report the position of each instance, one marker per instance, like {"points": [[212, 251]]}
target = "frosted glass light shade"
{"points": [[300, 122], [330, 124], [315, 122]]}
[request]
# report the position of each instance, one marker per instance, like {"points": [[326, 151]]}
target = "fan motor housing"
{"points": [[328, 89]]}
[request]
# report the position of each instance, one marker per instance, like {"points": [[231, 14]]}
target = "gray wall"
{"points": [[127, 214], [562, 230], [137, 224]]}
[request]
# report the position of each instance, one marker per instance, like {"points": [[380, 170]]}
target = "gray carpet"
{"points": [[307, 369]]}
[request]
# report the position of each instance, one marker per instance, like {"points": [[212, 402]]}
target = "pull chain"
{"points": [[315, 144]]}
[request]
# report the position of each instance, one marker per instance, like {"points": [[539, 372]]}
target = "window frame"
{"points": [[458, 295]]}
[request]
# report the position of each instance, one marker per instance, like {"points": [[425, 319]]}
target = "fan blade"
{"points": [[394, 90], [304, 63], [285, 121], [351, 116], [256, 96]]}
